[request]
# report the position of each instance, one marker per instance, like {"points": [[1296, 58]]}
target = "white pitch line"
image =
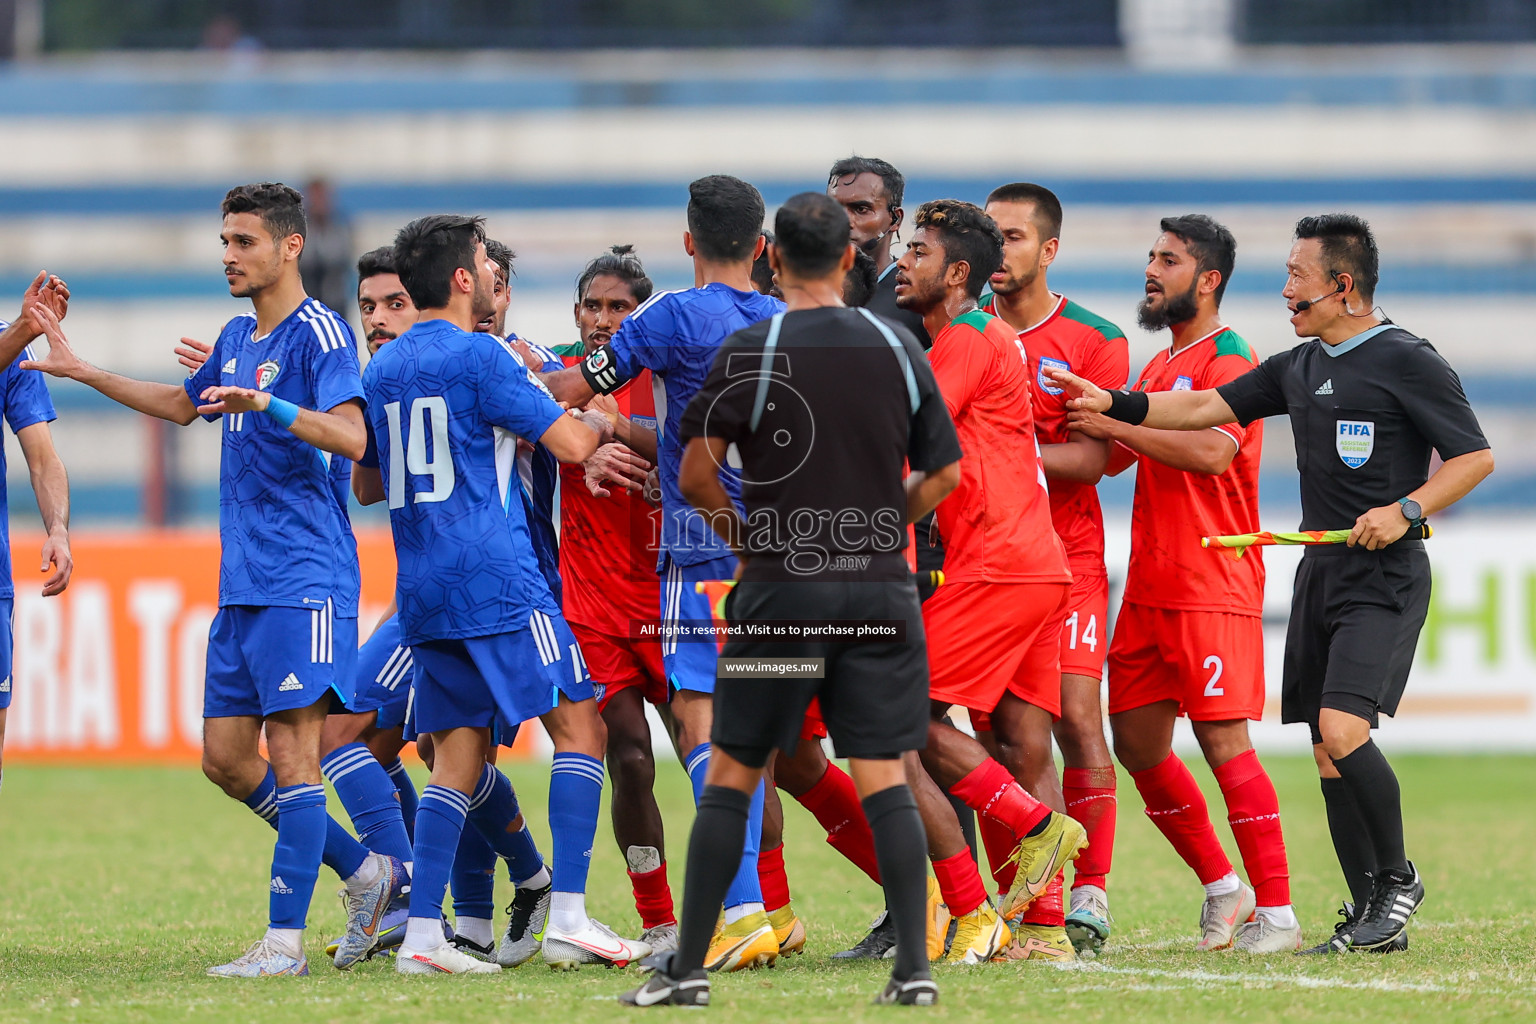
{"points": [[1250, 978]]}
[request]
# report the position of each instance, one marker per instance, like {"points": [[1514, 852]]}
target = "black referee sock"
{"points": [[1357, 857], [714, 854], [901, 848], [1379, 802]]}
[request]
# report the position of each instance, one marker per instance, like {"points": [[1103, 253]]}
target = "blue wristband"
{"points": [[284, 412]]}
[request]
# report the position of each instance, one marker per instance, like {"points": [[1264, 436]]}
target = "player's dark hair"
{"points": [[1208, 241], [1047, 206], [725, 218], [811, 233], [280, 208], [621, 262], [859, 285], [762, 268], [890, 178], [1348, 248], [502, 255], [429, 249], [375, 262], [966, 233]]}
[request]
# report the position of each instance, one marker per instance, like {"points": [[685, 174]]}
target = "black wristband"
{"points": [[601, 375], [1127, 407]]}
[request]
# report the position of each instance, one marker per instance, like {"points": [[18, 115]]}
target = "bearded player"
{"points": [[1190, 639], [991, 641], [1057, 332]]}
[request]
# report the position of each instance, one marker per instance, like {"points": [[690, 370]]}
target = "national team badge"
{"points": [[1183, 384], [266, 373], [1355, 440], [1046, 384]]}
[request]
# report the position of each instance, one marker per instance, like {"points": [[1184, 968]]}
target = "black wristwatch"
{"points": [[1412, 511]]}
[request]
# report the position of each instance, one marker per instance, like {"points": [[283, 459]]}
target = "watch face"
{"points": [[1412, 510]]}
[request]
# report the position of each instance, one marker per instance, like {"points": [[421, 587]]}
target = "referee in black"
{"points": [[824, 406], [1368, 401]]}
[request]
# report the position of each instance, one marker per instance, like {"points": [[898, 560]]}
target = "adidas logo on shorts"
{"points": [[1326, 388], [5, 685], [291, 683]]}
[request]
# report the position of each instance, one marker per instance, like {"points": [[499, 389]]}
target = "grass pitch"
{"points": [[122, 886]]}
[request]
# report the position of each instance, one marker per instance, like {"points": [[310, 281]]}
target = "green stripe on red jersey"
{"points": [[1230, 343], [1088, 318], [975, 319]]}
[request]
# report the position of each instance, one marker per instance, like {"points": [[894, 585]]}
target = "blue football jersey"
{"points": [[441, 404], [23, 401], [285, 538], [676, 335]]}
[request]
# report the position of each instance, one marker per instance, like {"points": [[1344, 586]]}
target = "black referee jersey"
{"points": [[1366, 415]]}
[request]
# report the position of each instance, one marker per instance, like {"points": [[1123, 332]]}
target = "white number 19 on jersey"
{"points": [[410, 455]]}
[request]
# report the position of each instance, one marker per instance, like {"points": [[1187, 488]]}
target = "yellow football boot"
{"points": [[787, 929], [748, 942], [938, 921], [1039, 942], [1038, 858], [979, 936]]}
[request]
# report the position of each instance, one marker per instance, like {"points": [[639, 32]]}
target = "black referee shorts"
{"points": [[1355, 621], [874, 695]]}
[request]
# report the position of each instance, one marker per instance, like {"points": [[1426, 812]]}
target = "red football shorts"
{"points": [[1212, 663], [985, 639], [617, 663], [1085, 626]]}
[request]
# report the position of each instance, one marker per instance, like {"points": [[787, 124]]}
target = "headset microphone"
{"points": [[1306, 304]]}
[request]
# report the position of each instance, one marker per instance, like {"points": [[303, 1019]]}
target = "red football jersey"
{"points": [[1071, 338], [608, 545], [996, 525], [1174, 509]]}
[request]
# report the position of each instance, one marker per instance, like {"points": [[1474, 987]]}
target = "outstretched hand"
{"points": [[61, 360], [231, 399], [192, 354], [46, 292], [1086, 395], [615, 464]]}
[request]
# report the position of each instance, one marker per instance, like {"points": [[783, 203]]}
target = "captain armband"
{"points": [[600, 370]]}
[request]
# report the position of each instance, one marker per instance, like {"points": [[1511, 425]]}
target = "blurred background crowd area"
{"points": [[578, 124]]}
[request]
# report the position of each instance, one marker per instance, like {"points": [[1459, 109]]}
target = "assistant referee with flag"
{"points": [[1368, 401]]}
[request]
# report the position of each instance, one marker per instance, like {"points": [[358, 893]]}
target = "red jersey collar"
{"points": [[1061, 304]]}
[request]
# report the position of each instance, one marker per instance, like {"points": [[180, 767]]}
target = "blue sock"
{"points": [[369, 797], [575, 793], [407, 792], [439, 823], [474, 876], [697, 763], [745, 887], [296, 859], [343, 854], [492, 809]]}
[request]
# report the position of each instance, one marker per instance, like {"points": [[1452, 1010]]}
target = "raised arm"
{"points": [[50, 483], [45, 290], [166, 401], [1194, 451], [1165, 410], [339, 431], [1081, 458]]}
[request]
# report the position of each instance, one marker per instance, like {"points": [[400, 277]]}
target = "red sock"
{"points": [[834, 803], [653, 897], [990, 790], [771, 876], [1090, 796], [1253, 811], [999, 841], [960, 883], [1047, 908], [1177, 807]]}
